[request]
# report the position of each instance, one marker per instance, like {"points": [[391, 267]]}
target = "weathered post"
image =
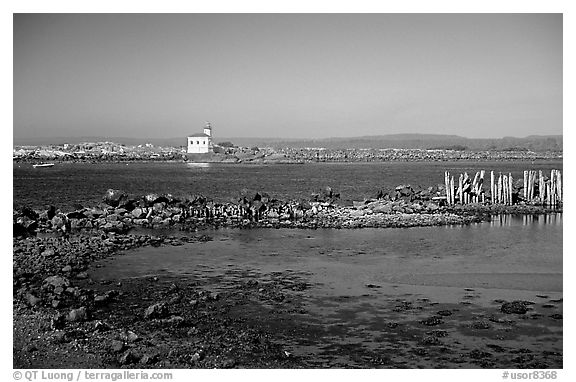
{"points": [[540, 186], [499, 192], [525, 185], [559, 185], [447, 185], [492, 192], [510, 187], [460, 191], [452, 190]]}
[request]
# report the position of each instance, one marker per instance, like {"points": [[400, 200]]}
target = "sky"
{"points": [[286, 75]]}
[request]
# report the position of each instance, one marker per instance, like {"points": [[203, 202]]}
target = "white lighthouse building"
{"points": [[202, 142]]}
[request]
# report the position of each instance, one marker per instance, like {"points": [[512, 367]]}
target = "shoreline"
{"points": [[65, 317]]}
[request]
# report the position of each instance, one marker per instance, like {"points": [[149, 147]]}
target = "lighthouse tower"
{"points": [[208, 129]]}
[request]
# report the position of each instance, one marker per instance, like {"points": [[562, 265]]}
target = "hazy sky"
{"points": [[287, 75]]}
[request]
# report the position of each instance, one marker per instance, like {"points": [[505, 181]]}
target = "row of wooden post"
{"points": [[537, 189], [541, 190]]}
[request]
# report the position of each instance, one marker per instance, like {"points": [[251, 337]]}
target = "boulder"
{"points": [[517, 307], [30, 213], [138, 213], [114, 197], [159, 310], [55, 282], [78, 315], [59, 221]]}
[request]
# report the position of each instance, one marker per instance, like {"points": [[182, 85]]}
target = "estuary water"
{"points": [[67, 184], [511, 252]]}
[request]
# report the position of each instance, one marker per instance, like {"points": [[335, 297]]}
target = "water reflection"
{"points": [[525, 220], [198, 164]]}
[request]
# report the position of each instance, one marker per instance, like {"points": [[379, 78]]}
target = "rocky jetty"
{"points": [[119, 212], [113, 152]]}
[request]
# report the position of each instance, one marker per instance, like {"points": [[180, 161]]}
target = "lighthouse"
{"points": [[201, 143]]}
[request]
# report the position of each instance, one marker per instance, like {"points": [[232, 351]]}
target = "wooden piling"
{"points": [[460, 191], [525, 191], [492, 192], [510, 187], [452, 190], [559, 185]]}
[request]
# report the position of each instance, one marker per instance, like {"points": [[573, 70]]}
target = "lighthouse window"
{"points": [[203, 142], [197, 142]]}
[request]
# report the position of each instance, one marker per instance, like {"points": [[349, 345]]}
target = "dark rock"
{"points": [[198, 356], [517, 307], [556, 316], [56, 281], [117, 346], [30, 213], [149, 359], [444, 313], [129, 357], [228, 363], [78, 315], [479, 354], [432, 321], [58, 322], [159, 310], [481, 325], [32, 300], [113, 197], [129, 336], [175, 321]]}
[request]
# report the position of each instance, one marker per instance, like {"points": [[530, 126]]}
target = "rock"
{"points": [[78, 315], [148, 359], [32, 300], [101, 326], [129, 336], [137, 213], [159, 310], [82, 276], [67, 269], [432, 321], [481, 325], [173, 321], [129, 357], [150, 199], [30, 213], [228, 363], [101, 299], [517, 307], [56, 281], [59, 221], [113, 197], [198, 356], [48, 253], [117, 346], [30, 348], [58, 321]]}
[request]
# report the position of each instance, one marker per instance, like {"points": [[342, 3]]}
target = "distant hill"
{"points": [[406, 141], [415, 141]]}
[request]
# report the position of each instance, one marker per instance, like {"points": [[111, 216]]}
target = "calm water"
{"points": [[511, 252], [69, 183]]}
